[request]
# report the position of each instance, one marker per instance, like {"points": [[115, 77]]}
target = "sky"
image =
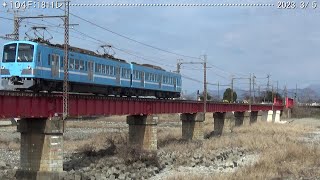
{"points": [[237, 40]]}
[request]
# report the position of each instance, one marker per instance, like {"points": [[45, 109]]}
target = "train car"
{"points": [[28, 65], [154, 78]]}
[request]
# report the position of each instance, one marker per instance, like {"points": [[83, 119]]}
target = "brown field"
{"points": [[281, 150]]}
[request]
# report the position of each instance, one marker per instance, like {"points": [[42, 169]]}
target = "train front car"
{"points": [[18, 65]]}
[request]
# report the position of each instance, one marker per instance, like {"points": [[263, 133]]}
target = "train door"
{"points": [[90, 70], [175, 83], [142, 79], [39, 63], [55, 65], [118, 75], [160, 81]]}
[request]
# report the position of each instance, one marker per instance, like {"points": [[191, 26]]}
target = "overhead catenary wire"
{"points": [[131, 39], [126, 51]]}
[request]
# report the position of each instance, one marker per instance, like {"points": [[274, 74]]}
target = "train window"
{"points": [[138, 74], [112, 70], [71, 63], [123, 73], [39, 57], [85, 65], [81, 65], [76, 64], [147, 76], [9, 54], [99, 68], [103, 69], [55, 59], [135, 76], [25, 52], [127, 73], [61, 61], [107, 69], [49, 59]]}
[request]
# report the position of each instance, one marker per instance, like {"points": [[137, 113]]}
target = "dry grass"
{"points": [[94, 124], [281, 154], [96, 143], [303, 112]]}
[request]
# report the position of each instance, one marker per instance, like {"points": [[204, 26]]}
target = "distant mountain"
{"points": [[315, 87]]}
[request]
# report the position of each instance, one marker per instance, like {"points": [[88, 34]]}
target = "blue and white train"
{"points": [[28, 65]]}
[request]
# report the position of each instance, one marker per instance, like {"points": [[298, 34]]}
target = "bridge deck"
{"points": [[31, 105]]}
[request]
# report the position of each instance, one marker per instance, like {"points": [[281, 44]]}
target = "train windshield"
{"points": [[9, 53], [25, 52]]}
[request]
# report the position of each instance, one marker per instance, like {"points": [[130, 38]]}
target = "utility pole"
{"points": [[16, 25], [66, 62], [296, 93], [250, 98], [218, 90], [232, 78], [272, 97], [205, 85], [254, 92], [259, 93], [277, 87], [179, 63], [268, 84], [18, 20], [204, 63], [285, 91]]}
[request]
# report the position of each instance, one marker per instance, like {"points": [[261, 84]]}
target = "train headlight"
{"points": [[29, 67], [2, 67]]}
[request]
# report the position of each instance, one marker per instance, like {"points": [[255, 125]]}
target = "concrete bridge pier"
{"points": [[286, 113], [41, 151], [143, 131], [239, 118], [255, 116], [277, 115], [219, 118], [192, 126], [229, 122], [270, 116]]}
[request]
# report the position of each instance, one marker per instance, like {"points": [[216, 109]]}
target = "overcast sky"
{"points": [[237, 40]]}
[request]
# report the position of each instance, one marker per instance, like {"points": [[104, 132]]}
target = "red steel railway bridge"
{"points": [[42, 127]]}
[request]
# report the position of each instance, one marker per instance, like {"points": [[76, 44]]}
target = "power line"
{"points": [[125, 51], [131, 39], [143, 44], [192, 79]]}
